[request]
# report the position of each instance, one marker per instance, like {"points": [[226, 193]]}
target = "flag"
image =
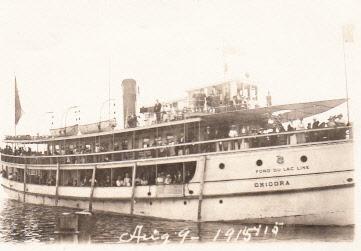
{"points": [[225, 68], [18, 110], [347, 32], [231, 51]]}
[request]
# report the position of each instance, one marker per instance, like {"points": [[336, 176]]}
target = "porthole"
{"points": [[303, 158], [221, 165], [259, 162], [190, 191], [150, 203], [220, 201], [185, 202], [349, 180], [149, 193]]}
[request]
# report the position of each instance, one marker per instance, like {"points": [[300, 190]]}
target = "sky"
{"points": [[68, 53]]}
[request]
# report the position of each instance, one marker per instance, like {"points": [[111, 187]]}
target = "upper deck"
{"points": [[182, 149], [229, 114]]}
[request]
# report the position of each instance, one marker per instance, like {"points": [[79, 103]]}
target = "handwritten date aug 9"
{"points": [[244, 233]]}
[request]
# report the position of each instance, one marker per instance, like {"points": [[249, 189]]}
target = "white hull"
{"points": [[289, 208], [319, 191]]}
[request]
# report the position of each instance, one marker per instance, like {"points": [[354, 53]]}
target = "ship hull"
{"points": [[284, 188]]}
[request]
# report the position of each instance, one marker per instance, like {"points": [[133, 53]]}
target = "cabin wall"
{"points": [[280, 162]]}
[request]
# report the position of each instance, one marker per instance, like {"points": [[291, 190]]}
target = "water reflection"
{"points": [[32, 223]]}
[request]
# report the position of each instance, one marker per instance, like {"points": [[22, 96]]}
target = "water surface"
{"points": [[34, 223]]}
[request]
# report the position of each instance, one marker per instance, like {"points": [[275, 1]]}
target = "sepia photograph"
{"points": [[194, 123]]}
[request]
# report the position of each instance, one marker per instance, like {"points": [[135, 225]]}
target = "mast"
{"points": [[347, 38]]}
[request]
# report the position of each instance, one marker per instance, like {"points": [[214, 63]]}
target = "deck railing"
{"points": [[216, 145]]}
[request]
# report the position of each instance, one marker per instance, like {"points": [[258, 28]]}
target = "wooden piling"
{"points": [[57, 183], [133, 189], [92, 189], [201, 188], [25, 170]]}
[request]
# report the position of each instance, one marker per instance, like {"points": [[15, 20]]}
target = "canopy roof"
{"points": [[285, 113]]}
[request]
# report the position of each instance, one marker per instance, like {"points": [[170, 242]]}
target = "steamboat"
{"points": [[217, 156]]}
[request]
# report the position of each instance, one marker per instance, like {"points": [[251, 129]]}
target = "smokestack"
{"points": [[129, 98]]}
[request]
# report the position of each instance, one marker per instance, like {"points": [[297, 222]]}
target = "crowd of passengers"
{"points": [[163, 178], [168, 146], [216, 103], [200, 103]]}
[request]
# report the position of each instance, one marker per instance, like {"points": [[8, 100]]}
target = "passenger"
{"points": [[138, 181], [171, 148], [301, 137], [340, 121], [322, 135], [144, 181], [127, 180], [119, 182], [166, 113], [188, 176], [129, 121], [48, 181], [97, 148], [340, 132], [157, 110], [233, 133], [201, 98], [168, 180], [52, 181], [331, 124], [262, 141], [179, 149], [315, 124], [292, 137], [273, 138], [244, 142], [209, 101], [178, 178], [209, 147], [107, 181], [75, 183], [314, 135], [160, 179], [219, 145], [308, 135], [85, 182], [163, 150]]}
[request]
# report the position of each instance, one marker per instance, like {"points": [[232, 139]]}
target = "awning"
{"points": [[285, 113]]}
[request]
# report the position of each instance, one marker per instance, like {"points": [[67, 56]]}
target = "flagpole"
{"points": [[109, 65], [15, 104], [346, 81]]}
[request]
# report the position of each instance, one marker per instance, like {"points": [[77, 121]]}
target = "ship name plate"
{"points": [[282, 169], [272, 183]]}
